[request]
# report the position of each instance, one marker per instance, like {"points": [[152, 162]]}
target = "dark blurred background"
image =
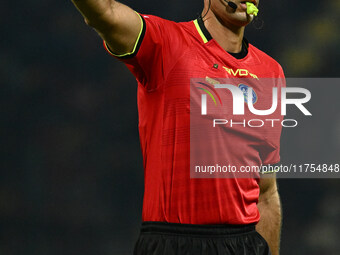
{"points": [[71, 177]]}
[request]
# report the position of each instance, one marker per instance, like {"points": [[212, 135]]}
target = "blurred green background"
{"points": [[71, 177]]}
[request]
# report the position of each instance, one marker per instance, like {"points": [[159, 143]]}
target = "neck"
{"points": [[228, 36]]}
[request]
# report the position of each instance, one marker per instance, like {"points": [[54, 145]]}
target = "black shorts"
{"points": [[159, 238]]}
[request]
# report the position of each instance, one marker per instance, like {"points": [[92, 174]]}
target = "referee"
{"points": [[183, 215]]}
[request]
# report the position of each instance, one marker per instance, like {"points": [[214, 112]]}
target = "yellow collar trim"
{"points": [[200, 31]]}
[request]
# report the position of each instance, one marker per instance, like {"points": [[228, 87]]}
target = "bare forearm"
{"points": [[270, 222], [116, 23], [96, 12]]}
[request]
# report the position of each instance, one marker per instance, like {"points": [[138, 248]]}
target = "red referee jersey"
{"points": [[166, 56]]}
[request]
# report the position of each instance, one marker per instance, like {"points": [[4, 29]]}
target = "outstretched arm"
{"points": [[270, 210], [116, 23]]}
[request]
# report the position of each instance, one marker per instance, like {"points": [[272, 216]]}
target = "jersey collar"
{"points": [[206, 37], [202, 30]]}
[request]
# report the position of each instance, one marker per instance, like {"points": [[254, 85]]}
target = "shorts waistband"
{"points": [[196, 229]]}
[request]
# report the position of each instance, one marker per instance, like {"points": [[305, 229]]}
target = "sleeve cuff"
{"points": [[270, 168], [136, 46]]}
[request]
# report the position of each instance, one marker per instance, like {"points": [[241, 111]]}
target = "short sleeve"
{"points": [[271, 156], [270, 152], [159, 45]]}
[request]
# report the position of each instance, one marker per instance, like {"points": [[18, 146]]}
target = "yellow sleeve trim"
{"points": [[270, 168], [136, 43], [200, 31]]}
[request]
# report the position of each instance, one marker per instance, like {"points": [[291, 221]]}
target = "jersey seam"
{"points": [[166, 76], [180, 57]]}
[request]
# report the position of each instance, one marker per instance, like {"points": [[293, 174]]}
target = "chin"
{"points": [[241, 19], [238, 18]]}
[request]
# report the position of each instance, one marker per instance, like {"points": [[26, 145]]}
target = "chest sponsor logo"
{"points": [[240, 72]]}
